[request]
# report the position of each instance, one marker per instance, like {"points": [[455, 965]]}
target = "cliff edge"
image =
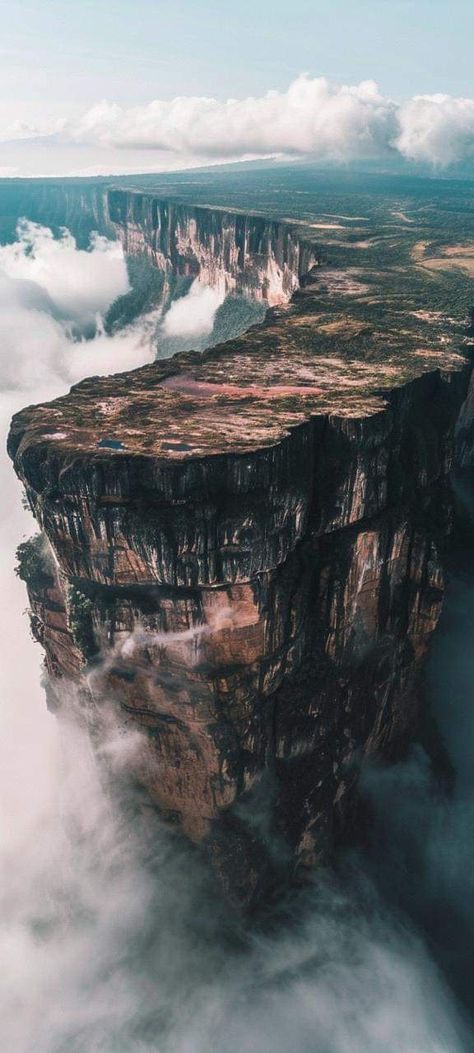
{"points": [[248, 543]]}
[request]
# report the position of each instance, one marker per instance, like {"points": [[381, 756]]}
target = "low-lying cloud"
{"points": [[40, 354], [79, 283], [53, 301], [193, 314], [313, 118]]}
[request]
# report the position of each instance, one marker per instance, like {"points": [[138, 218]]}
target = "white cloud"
{"points": [[49, 884], [193, 314], [436, 128], [82, 283], [38, 359], [314, 118], [49, 288]]}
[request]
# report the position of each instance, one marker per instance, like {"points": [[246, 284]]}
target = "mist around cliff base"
{"points": [[113, 941]]}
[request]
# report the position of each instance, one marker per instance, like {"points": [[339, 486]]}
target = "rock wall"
{"points": [[230, 251], [263, 620], [78, 204]]}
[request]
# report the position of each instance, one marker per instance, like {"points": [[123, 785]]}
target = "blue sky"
{"points": [[59, 57]]}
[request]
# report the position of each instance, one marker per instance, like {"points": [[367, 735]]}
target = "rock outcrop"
{"points": [[247, 550], [229, 251]]}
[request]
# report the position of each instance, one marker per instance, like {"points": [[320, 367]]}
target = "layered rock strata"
{"points": [[247, 568]]}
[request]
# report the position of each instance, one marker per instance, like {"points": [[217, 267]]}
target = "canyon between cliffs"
{"points": [[242, 550]]}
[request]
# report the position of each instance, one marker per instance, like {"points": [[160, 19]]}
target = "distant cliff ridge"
{"points": [[248, 545], [239, 253]]}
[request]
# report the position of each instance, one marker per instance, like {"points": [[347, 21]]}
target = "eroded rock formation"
{"points": [[247, 555]]}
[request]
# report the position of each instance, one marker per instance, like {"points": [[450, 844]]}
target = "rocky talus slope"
{"points": [[247, 547]]}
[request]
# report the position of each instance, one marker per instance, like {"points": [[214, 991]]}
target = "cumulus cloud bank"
{"points": [[314, 118], [436, 128]]}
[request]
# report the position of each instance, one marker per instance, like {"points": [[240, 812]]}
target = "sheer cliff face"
{"points": [[248, 570], [228, 251]]}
